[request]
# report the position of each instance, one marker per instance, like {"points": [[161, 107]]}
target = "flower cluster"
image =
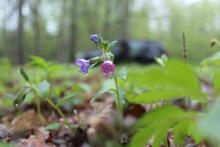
{"points": [[107, 67]]}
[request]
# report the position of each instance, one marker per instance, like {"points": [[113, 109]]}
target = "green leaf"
{"points": [[180, 131], [161, 60], [24, 75], [53, 126], [176, 79], [216, 83], [209, 123], [21, 96], [66, 99], [104, 45], [194, 132], [43, 87], [213, 60], [141, 138], [111, 45], [123, 74], [39, 62], [6, 145], [162, 113], [96, 61], [156, 123], [154, 96]]}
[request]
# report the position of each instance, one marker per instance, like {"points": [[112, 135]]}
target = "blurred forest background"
{"points": [[57, 29]]}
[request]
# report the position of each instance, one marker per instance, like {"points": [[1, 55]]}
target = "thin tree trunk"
{"points": [[73, 30], [20, 35], [125, 19], [106, 28], [36, 26], [61, 36]]}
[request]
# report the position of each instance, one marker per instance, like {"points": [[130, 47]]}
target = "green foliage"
{"points": [[53, 126], [209, 123], [213, 60], [156, 124], [123, 74], [43, 88], [66, 99], [24, 75], [172, 80], [39, 62], [111, 45], [20, 97], [175, 80], [216, 83]]}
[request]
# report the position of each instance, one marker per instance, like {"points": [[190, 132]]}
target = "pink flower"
{"points": [[107, 68]]}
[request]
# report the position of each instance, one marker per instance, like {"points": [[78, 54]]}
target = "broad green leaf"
{"points": [[43, 87], [161, 134], [216, 83], [176, 79], [209, 123], [180, 131], [157, 122], [154, 131], [53, 126], [154, 96], [141, 138], [162, 113], [193, 131], [24, 75]]}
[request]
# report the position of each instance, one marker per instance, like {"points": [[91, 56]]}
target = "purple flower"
{"points": [[94, 38], [107, 68], [83, 64]]}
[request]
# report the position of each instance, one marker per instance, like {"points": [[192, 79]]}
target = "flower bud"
{"points": [[94, 38], [107, 68]]}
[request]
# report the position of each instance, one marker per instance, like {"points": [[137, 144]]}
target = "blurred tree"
{"points": [[20, 33], [62, 43], [35, 7], [61, 28], [73, 29]]}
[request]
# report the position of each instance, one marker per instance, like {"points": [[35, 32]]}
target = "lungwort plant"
{"points": [[106, 65]]}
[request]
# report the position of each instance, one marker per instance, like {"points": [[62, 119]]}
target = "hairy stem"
{"points": [[59, 112], [117, 100]]}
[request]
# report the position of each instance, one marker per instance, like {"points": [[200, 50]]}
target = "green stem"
{"points": [[38, 106], [59, 112], [37, 101], [117, 100]]}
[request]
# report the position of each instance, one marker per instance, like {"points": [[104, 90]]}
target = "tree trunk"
{"points": [[73, 30], [36, 26], [125, 19], [61, 34], [106, 28], [20, 35]]}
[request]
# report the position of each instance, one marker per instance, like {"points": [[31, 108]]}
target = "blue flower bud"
{"points": [[94, 38]]}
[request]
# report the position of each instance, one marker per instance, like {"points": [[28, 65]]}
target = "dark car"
{"points": [[133, 51]]}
